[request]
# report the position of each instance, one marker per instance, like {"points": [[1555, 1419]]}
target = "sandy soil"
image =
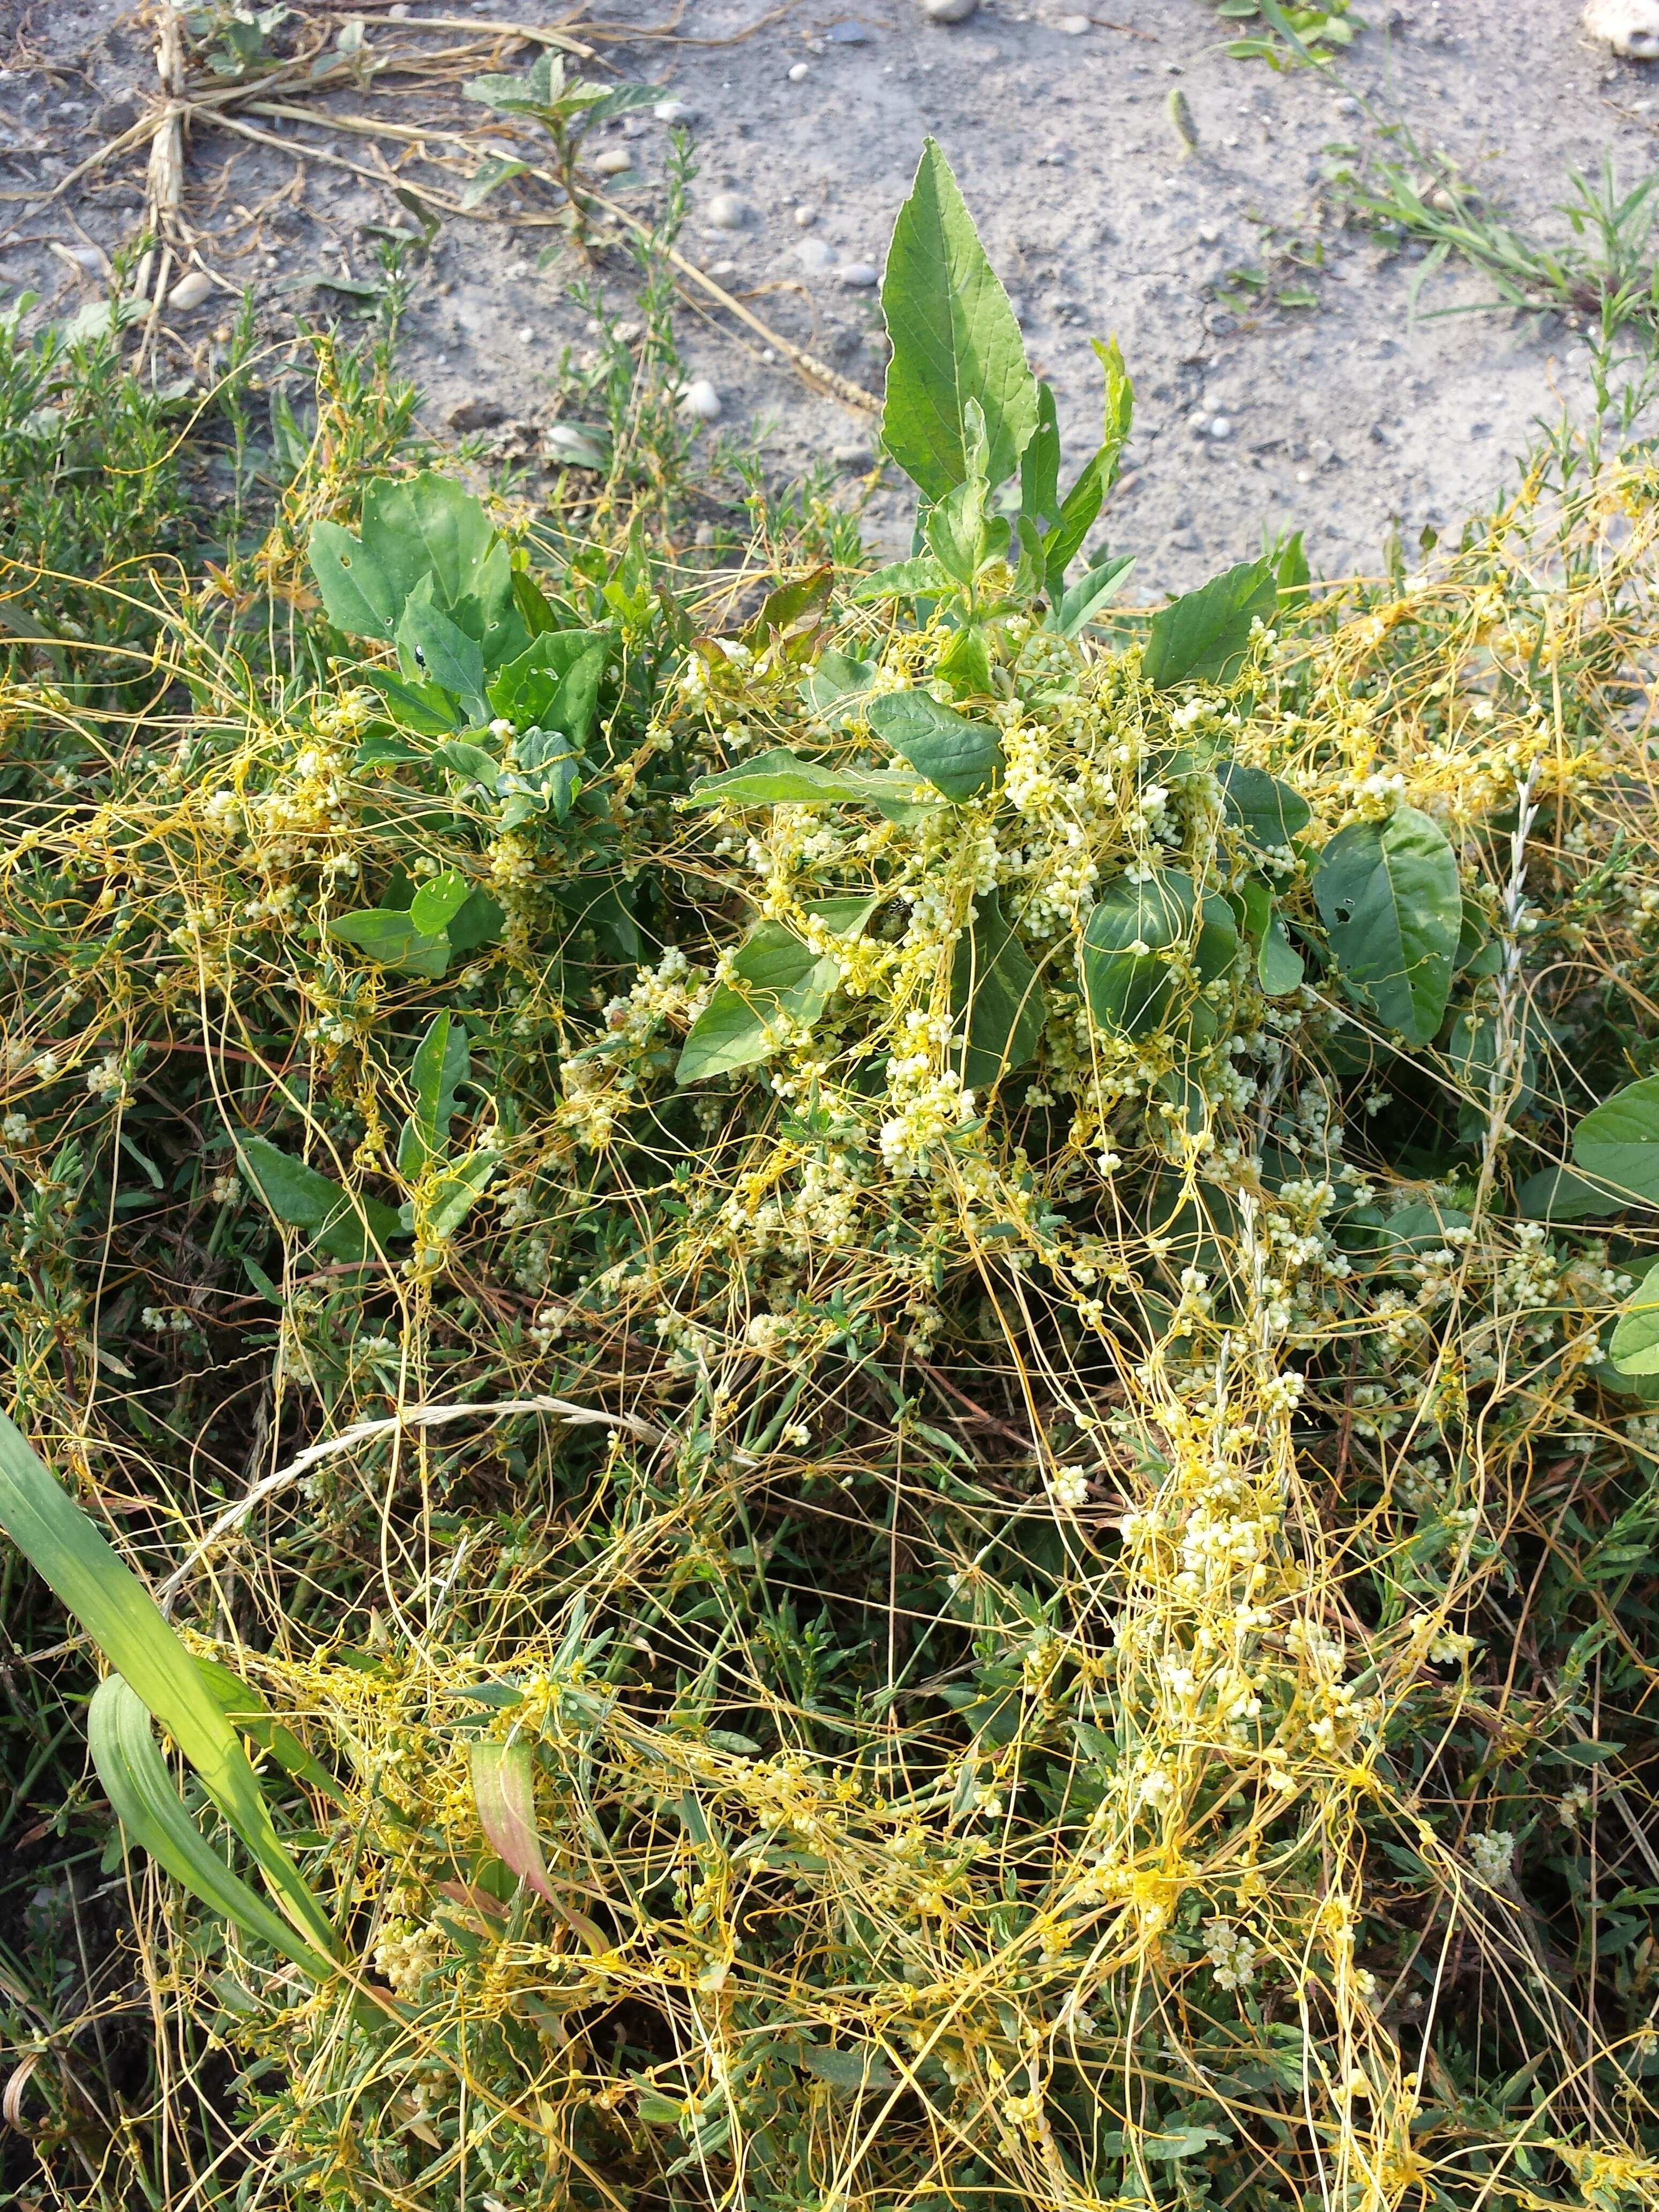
{"points": [[1341, 416]]}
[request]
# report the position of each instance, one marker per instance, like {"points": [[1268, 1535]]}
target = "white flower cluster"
{"points": [[1232, 1954], [1492, 1855]]}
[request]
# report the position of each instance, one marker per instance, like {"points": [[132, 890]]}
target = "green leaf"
{"points": [[347, 1226], [498, 170], [965, 663], [554, 684], [1078, 606], [442, 1064], [388, 934], [1618, 1142], [438, 901], [1389, 894], [1039, 465], [903, 579], [993, 982], [115, 1609], [778, 985], [420, 706], [480, 921], [121, 1741], [1635, 1347], [1129, 985], [1269, 812], [1202, 637], [441, 651], [1558, 1194], [954, 339], [246, 1710], [1292, 574], [835, 689], [781, 778], [458, 1194], [1087, 495], [1280, 967], [415, 530], [472, 761], [958, 757]]}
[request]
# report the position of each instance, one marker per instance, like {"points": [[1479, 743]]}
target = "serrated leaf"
{"points": [[958, 757], [955, 339], [420, 529], [1390, 897], [1201, 638]]}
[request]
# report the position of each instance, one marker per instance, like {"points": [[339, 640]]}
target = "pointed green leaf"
{"points": [[388, 934], [442, 652], [115, 1609], [1129, 985], [1268, 811], [121, 1741], [993, 982], [1078, 606], [1201, 638], [954, 339], [1618, 1142], [781, 778], [438, 901], [1635, 1347], [958, 757], [1389, 894], [778, 986], [297, 1194]]}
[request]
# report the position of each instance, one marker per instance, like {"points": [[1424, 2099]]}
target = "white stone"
{"points": [[799, 73], [673, 111], [399, 11], [812, 253], [858, 276], [613, 161], [727, 211], [701, 401], [1221, 427], [190, 290], [806, 217], [949, 11], [1073, 26], [1631, 28], [527, 336]]}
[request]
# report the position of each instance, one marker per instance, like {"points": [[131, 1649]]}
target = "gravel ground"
{"points": [[1342, 415]]}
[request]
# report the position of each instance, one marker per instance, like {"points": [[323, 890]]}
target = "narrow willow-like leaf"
{"points": [[122, 1740], [504, 1791], [125, 1623]]}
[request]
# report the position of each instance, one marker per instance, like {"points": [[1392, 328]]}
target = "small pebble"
{"points": [[706, 534], [767, 355], [190, 290], [399, 11], [812, 253], [806, 217], [799, 73], [723, 269], [727, 211], [527, 336], [613, 161], [858, 276], [516, 271], [1073, 26], [673, 111], [852, 457], [1631, 28], [949, 11], [701, 401], [847, 34], [1221, 427]]}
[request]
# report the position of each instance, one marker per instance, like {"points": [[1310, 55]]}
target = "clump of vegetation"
{"points": [[874, 1343]]}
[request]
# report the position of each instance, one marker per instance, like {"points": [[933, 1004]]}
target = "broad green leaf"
{"points": [[1218, 939], [901, 580], [965, 663], [115, 1609], [1128, 984], [415, 530], [121, 1737], [1268, 811], [863, 2067], [954, 339], [1280, 967], [791, 607], [487, 177], [1558, 1194], [438, 901], [1389, 894], [442, 653], [554, 684], [835, 689], [1419, 1228], [388, 934], [1635, 1347], [1078, 607], [480, 921], [778, 985], [1618, 1142], [781, 778], [1201, 638], [994, 984], [958, 757], [1292, 574], [421, 707], [298, 1195], [471, 761]]}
